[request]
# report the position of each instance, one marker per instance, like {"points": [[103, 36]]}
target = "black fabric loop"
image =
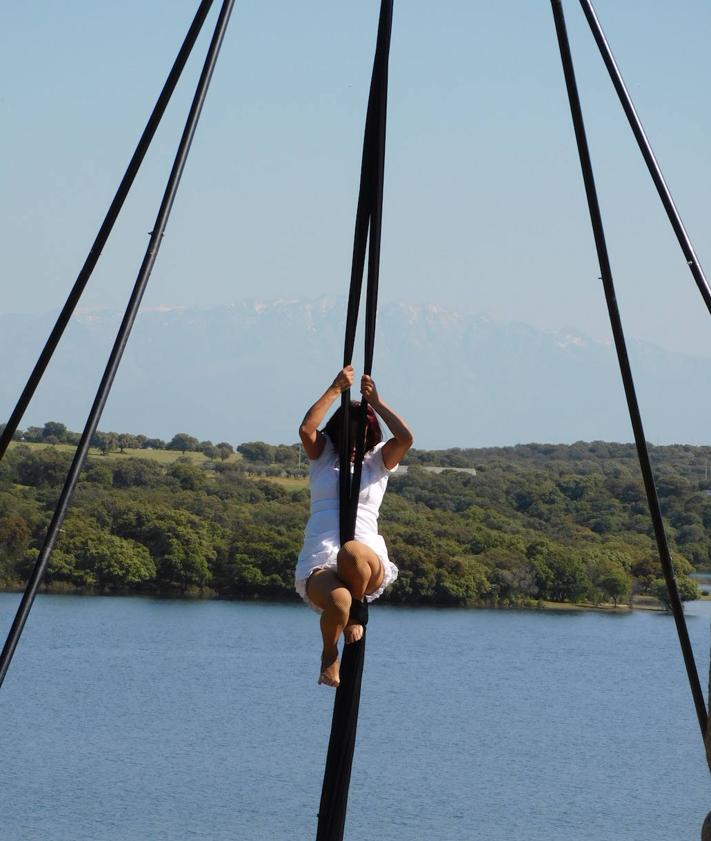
{"points": [[359, 612]]}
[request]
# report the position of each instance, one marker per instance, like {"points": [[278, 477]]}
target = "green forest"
{"points": [[515, 526]]}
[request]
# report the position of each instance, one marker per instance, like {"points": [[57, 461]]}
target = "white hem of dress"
{"points": [[390, 572]]}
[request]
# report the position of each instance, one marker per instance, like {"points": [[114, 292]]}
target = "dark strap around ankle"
{"points": [[359, 612]]}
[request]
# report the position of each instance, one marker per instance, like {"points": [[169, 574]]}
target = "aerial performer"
{"points": [[332, 579]]}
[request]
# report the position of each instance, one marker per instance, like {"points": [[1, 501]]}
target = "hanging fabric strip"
{"points": [[339, 760]]}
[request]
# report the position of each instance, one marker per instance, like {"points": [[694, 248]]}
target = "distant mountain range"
{"points": [[250, 371]]}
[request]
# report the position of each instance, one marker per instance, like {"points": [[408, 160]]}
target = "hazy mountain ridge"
{"points": [[250, 370]]}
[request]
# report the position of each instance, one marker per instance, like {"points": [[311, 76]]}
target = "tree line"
{"points": [[54, 432], [536, 522]]}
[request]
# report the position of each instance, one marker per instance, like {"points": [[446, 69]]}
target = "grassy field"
{"points": [[165, 457], [290, 483]]}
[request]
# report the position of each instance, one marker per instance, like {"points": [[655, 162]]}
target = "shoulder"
{"points": [[328, 453], [375, 459]]}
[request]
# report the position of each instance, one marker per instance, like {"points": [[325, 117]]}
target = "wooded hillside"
{"points": [[553, 522]]}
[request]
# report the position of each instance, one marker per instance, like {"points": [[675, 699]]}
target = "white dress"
{"points": [[321, 536]]}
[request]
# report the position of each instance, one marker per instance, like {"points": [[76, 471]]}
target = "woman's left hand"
{"points": [[402, 439], [368, 390]]}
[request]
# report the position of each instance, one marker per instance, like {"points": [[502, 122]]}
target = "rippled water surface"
{"points": [[128, 719]]}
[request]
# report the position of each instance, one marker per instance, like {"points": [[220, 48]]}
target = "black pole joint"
{"points": [[645, 148]]}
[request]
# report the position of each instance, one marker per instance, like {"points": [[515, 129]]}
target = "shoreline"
{"points": [[648, 604]]}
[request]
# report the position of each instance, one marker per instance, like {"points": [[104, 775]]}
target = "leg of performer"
{"points": [[327, 591], [362, 572]]}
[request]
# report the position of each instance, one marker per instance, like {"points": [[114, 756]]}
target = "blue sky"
{"points": [[484, 207]]}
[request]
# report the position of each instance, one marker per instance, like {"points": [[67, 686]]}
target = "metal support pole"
{"points": [[625, 368], [647, 153], [121, 339], [706, 828], [106, 226]]}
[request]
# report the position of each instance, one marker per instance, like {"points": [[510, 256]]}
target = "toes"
{"points": [[352, 633], [329, 669]]}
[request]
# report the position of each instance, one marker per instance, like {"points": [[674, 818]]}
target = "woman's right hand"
{"points": [[312, 440], [344, 378]]}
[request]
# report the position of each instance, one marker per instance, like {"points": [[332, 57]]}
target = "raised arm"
{"points": [[402, 439], [308, 431]]}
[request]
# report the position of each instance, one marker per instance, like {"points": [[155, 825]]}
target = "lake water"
{"points": [[129, 719]]}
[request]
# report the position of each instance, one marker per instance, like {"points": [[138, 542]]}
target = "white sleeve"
{"points": [[375, 456], [327, 453]]}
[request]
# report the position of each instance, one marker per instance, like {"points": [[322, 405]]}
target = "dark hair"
{"points": [[373, 433]]}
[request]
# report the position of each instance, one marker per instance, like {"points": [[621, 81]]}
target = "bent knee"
{"points": [[353, 554], [350, 550], [341, 601], [352, 567]]}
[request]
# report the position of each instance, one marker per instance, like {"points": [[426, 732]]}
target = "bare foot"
{"points": [[330, 667], [352, 632]]}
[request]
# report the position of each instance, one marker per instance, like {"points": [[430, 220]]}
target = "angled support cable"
{"points": [[121, 340], [624, 363], [708, 739], [106, 226], [645, 148], [339, 760]]}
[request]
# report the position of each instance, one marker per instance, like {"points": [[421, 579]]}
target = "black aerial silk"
{"points": [[334, 795]]}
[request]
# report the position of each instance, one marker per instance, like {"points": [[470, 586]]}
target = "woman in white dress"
{"points": [[330, 577]]}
